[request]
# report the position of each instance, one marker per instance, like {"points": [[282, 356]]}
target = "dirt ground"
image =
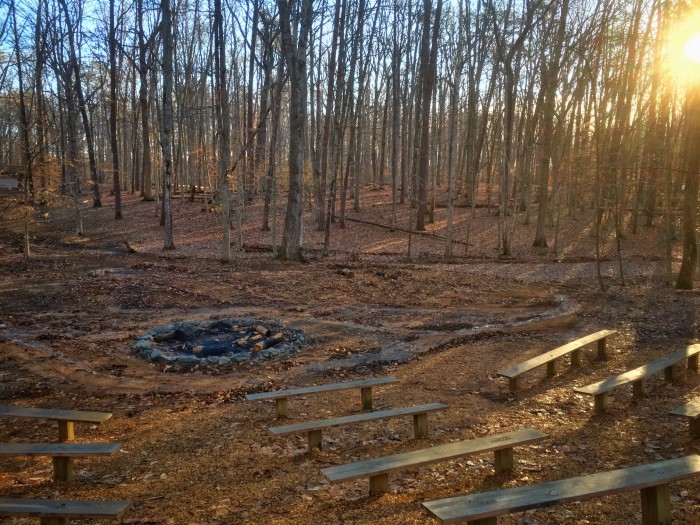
{"points": [[194, 451]]}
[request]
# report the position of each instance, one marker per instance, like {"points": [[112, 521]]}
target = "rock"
{"points": [[241, 357], [213, 360], [224, 361], [143, 345], [155, 355], [187, 359]]}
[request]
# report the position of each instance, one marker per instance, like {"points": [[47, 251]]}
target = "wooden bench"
{"points": [[638, 376], [652, 480], [281, 396], [59, 512], [62, 454], [65, 418], [314, 428], [378, 469], [690, 410], [549, 358]]}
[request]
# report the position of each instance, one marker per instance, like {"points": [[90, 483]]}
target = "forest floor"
{"points": [[194, 451]]}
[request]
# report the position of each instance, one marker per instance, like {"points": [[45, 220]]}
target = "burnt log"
{"points": [[267, 343]]}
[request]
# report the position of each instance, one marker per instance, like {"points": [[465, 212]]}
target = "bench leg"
{"points": [[63, 469], [315, 440], [420, 425], [602, 351], [366, 394], [656, 505], [503, 460], [281, 408], [693, 362], [576, 358], [639, 388], [66, 431], [551, 368], [378, 484], [668, 374], [53, 521], [694, 426], [601, 402], [514, 383], [483, 521]]}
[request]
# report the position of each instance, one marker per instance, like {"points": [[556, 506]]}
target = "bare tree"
{"points": [[223, 127], [295, 56], [167, 124], [28, 180], [82, 105], [691, 164], [113, 112]]}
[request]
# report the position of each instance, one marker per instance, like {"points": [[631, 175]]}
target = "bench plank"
{"points": [[549, 358], [483, 505], [65, 450], [62, 508], [638, 374], [62, 454], [356, 418], [417, 458], [55, 415], [277, 394], [314, 429], [691, 411]]}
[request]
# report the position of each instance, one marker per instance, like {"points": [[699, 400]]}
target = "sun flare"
{"points": [[683, 52], [692, 49]]}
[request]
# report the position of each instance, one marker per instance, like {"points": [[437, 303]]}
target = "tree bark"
{"points": [[223, 125], [113, 112], [691, 164], [295, 57], [167, 124]]}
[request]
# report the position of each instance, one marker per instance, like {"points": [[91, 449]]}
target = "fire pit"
{"points": [[218, 343]]}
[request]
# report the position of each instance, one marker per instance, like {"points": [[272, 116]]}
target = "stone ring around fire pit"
{"points": [[217, 343]]}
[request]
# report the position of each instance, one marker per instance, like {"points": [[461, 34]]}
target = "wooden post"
{"points": [[668, 374], [551, 368], [420, 425], [576, 358], [514, 383], [602, 351], [63, 469], [656, 505], [378, 484], [66, 431], [694, 425], [503, 460], [693, 362], [366, 393], [53, 521], [483, 521], [315, 440], [601, 403], [282, 408], [639, 388]]}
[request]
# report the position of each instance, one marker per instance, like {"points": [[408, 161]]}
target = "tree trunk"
{"points": [[167, 124], [113, 112], [550, 75], [223, 125], [295, 57], [429, 71], [82, 106], [691, 164], [27, 178]]}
